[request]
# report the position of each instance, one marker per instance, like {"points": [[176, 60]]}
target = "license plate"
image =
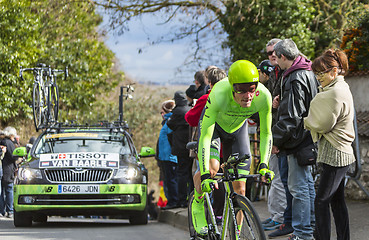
{"points": [[78, 189]]}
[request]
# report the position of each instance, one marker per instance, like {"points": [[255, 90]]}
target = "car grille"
{"points": [[72, 175]]}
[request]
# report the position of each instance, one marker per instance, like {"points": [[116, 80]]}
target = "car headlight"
{"points": [[127, 173], [29, 174]]}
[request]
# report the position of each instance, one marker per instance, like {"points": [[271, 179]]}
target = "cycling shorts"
{"points": [[236, 142]]}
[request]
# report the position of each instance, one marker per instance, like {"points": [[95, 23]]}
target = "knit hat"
{"points": [[168, 105], [191, 91], [266, 67]]}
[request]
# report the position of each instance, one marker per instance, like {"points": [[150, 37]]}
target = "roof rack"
{"points": [[121, 125]]}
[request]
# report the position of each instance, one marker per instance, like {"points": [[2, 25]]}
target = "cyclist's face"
{"points": [[244, 93]]}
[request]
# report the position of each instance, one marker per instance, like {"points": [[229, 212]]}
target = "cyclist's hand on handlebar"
{"points": [[209, 185], [267, 175]]}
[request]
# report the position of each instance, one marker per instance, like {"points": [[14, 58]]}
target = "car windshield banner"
{"points": [[79, 160]]}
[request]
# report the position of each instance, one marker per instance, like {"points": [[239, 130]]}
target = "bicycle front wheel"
{"points": [[247, 219], [37, 105]]}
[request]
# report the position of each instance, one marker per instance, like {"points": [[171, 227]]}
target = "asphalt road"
{"points": [[358, 212], [88, 229]]}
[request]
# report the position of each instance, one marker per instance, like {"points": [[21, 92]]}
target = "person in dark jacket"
{"points": [[298, 87], [279, 195], [9, 167], [168, 160], [180, 138]]}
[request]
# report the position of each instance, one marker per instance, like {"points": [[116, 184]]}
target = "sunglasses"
{"points": [[270, 53], [242, 88], [320, 74]]}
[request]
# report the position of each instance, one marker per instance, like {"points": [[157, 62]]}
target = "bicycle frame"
{"points": [[228, 206]]}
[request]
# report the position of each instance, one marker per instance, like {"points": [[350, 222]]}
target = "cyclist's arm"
{"points": [[207, 129], [265, 115]]}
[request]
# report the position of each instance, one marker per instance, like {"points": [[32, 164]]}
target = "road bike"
{"points": [[237, 211], [45, 94]]}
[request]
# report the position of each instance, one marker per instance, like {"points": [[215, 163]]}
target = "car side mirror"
{"points": [[147, 152], [20, 152]]}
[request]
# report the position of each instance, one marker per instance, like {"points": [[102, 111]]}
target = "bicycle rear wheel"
{"points": [[37, 105], [251, 225]]}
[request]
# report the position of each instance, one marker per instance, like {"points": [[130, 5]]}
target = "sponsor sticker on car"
{"points": [[79, 160]]}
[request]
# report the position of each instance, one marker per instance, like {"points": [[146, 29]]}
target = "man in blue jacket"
{"points": [[168, 160]]}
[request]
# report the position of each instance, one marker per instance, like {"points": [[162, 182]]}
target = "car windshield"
{"points": [[83, 142]]}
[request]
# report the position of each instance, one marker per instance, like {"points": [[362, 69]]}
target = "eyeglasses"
{"points": [[320, 74], [242, 88], [270, 53]]}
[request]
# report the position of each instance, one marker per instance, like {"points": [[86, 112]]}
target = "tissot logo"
{"points": [[61, 156]]}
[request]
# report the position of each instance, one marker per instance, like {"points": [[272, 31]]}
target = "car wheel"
{"points": [[140, 218], [22, 219], [41, 218]]}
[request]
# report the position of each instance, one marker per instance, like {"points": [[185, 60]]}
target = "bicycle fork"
{"points": [[228, 212]]}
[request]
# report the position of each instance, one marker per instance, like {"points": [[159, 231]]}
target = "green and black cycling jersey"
{"points": [[223, 110]]}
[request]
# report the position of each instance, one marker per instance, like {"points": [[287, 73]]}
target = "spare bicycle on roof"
{"points": [[45, 95]]}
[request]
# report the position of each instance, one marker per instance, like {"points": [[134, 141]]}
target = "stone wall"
{"points": [[359, 86], [353, 191]]}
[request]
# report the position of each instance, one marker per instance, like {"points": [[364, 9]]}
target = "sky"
{"points": [[156, 63]]}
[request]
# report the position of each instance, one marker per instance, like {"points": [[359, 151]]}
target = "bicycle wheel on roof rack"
{"points": [[53, 104], [37, 105]]}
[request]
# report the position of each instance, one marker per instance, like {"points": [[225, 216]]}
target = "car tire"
{"points": [[41, 218], [141, 218], [22, 219]]}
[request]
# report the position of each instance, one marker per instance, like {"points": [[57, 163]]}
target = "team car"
{"points": [[81, 170]]}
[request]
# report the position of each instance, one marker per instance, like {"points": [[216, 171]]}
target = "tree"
{"points": [[59, 34], [243, 26], [355, 44], [19, 28]]}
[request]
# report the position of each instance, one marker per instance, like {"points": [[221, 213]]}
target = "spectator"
{"points": [[169, 161], [30, 143], [9, 167], [193, 115], [190, 94], [200, 83], [330, 122], [265, 69], [180, 138], [289, 136], [207, 81], [278, 163], [214, 75], [276, 194]]}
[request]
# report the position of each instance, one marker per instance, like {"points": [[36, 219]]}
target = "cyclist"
{"points": [[230, 103]]}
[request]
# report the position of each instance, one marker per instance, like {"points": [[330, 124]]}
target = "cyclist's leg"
{"points": [[238, 142], [197, 205]]}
